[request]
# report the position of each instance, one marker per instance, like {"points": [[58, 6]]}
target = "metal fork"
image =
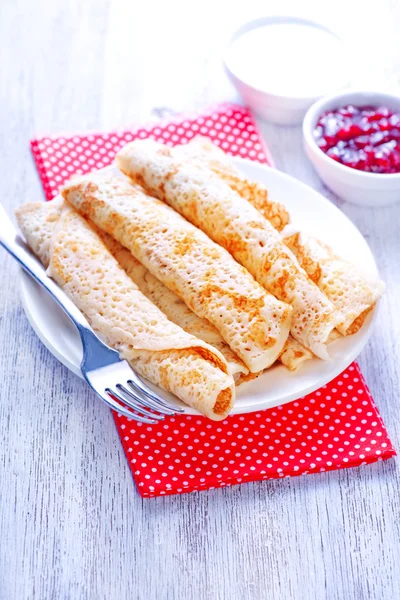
{"points": [[111, 378]]}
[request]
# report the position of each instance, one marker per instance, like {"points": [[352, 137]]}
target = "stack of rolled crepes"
{"points": [[232, 222], [202, 300]]}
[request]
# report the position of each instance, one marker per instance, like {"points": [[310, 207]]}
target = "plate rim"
{"points": [[26, 282]]}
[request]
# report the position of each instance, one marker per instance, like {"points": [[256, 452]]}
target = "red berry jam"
{"points": [[366, 138]]}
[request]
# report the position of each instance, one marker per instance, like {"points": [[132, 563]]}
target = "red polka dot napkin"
{"points": [[335, 427]]}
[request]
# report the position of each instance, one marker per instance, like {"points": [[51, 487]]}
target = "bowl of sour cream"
{"points": [[281, 65]]}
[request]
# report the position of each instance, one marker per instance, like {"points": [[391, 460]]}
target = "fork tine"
{"points": [[137, 384], [124, 411], [134, 402], [140, 403], [148, 403]]}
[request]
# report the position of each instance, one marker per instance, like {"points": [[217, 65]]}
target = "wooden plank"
{"points": [[71, 522]]}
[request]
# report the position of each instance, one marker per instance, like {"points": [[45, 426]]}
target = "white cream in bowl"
{"points": [[281, 65]]}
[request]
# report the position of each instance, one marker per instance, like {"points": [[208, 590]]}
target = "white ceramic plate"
{"points": [[312, 213]]}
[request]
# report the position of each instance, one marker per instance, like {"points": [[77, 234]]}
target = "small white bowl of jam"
{"points": [[353, 141]]}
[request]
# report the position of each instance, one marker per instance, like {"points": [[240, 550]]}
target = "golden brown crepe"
{"points": [[204, 152], [172, 306], [352, 293], [210, 204], [201, 273], [176, 310], [156, 348]]}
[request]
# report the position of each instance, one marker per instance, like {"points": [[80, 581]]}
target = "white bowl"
{"points": [[267, 101], [358, 187]]}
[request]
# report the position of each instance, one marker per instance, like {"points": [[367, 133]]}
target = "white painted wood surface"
{"points": [[72, 525]]}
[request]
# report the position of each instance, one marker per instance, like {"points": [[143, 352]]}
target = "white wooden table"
{"points": [[72, 525]]}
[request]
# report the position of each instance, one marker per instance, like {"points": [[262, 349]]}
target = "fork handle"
{"points": [[15, 245]]}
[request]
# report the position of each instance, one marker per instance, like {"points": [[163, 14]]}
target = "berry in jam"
{"points": [[366, 138]]}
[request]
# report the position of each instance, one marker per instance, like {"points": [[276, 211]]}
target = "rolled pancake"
{"points": [[172, 306], [176, 310], [201, 273], [45, 216], [155, 347], [203, 151], [352, 293], [210, 204]]}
